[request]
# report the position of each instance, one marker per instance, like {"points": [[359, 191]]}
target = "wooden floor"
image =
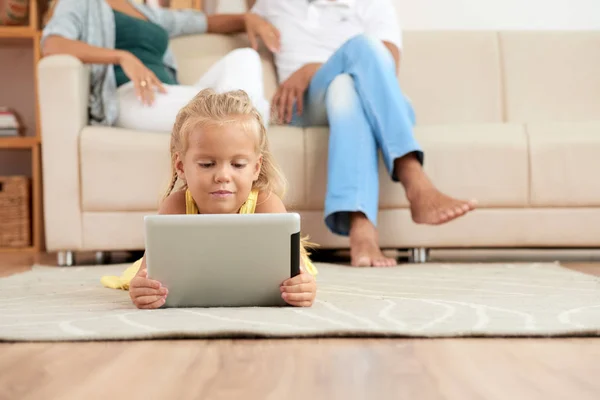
{"points": [[325, 368]]}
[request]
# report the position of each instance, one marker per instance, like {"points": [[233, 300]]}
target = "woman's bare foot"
{"points": [[427, 204], [364, 247]]}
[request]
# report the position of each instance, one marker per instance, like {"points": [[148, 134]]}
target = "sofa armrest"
{"points": [[63, 89]]}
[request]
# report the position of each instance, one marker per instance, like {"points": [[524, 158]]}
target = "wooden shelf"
{"points": [[18, 142], [30, 32], [17, 32], [30, 249]]}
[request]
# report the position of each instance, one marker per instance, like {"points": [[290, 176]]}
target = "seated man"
{"points": [[337, 62]]}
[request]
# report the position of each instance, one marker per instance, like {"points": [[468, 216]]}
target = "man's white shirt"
{"points": [[311, 31]]}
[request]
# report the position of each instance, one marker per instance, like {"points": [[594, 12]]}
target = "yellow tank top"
{"points": [[249, 206]]}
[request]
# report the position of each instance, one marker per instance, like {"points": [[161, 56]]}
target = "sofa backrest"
{"points": [[551, 76], [464, 77], [452, 77]]}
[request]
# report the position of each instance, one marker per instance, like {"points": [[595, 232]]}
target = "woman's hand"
{"points": [[143, 79], [299, 291], [292, 91], [147, 293], [256, 26]]}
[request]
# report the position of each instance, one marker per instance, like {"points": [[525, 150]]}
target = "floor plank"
{"points": [[335, 368], [325, 368]]}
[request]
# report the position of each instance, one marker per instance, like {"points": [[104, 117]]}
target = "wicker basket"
{"points": [[15, 221]]}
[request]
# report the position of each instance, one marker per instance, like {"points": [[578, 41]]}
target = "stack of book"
{"points": [[9, 124]]}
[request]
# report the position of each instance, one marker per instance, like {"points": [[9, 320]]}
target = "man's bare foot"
{"points": [[427, 204], [430, 206], [364, 247]]}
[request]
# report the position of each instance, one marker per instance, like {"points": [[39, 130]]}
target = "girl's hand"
{"points": [[147, 293], [144, 80], [257, 26], [299, 291]]}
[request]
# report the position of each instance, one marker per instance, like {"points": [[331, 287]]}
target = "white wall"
{"points": [[499, 14], [485, 14]]}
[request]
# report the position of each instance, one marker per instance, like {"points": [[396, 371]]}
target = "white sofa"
{"points": [[510, 118]]}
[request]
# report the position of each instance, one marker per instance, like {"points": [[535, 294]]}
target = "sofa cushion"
{"points": [[500, 227], [124, 170], [564, 162], [452, 77], [492, 227], [488, 162], [551, 76]]}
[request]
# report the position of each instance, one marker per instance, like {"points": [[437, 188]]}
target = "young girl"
{"points": [[220, 156]]}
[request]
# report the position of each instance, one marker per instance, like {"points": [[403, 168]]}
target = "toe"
{"points": [[362, 261], [443, 217]]}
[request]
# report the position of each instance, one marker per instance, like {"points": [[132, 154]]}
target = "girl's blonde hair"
{"points": [[209, 108]]}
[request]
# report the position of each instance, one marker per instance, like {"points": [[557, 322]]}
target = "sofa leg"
{"points": [[419, 255], [102, 257], [65, 258]]}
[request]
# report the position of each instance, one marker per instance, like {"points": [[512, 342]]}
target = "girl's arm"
{"points": [[144, 292], [269, 203], [173, 204], [300, 290], [272, 204]]}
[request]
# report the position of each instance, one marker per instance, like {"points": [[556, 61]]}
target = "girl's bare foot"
{"points": [[364, 247]]}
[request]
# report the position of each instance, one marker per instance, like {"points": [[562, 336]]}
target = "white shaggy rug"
{"points": [[430, 300]]}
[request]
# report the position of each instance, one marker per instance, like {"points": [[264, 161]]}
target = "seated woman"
{"points": [[337, 62], [133, 72]]}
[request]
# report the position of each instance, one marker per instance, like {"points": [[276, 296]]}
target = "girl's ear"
{"points": [[179, 166], [257, 168]]}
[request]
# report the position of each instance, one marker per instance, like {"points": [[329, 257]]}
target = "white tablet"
{"points": [[223, 260]]}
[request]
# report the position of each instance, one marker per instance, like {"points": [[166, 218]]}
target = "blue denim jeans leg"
{"points": [[357, 93]]}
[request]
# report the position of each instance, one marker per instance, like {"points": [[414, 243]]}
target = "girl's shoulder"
{"points": [[174, 203], [269, 203]]}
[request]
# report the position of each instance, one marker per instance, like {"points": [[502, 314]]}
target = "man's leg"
{"points": [[240, 69], [391, 118], [351, 203]]}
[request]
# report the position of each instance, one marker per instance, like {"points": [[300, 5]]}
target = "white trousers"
{"points": [[239, 69]]}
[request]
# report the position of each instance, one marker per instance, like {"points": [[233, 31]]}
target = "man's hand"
{"points": [[292, 91], [257, 27], [147, 293], [299, 291]]}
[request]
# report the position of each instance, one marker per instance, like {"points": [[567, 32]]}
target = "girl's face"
{"points": [[219, 166]]}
